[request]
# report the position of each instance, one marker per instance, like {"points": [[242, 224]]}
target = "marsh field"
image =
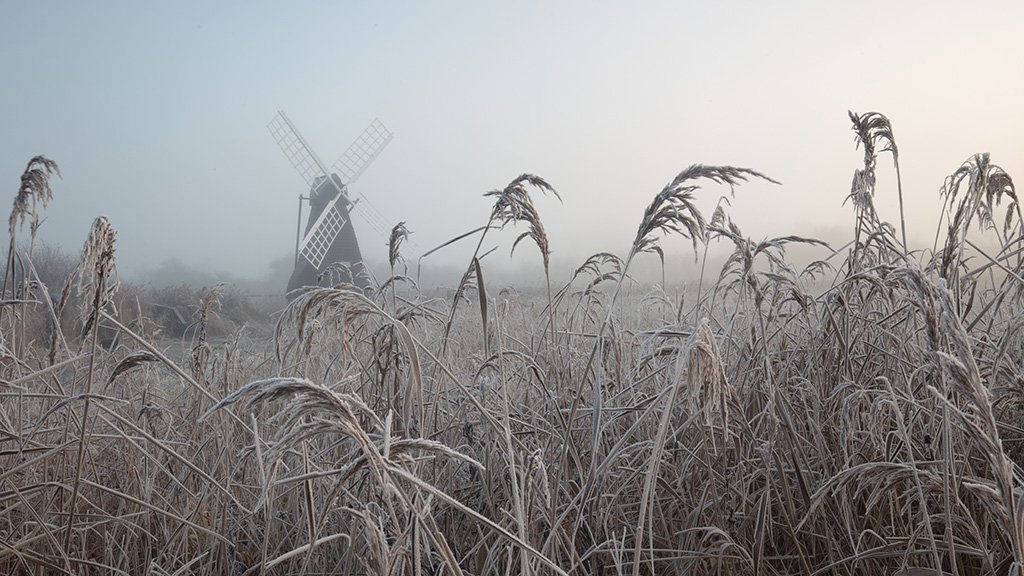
{"points": [[860, 414]]}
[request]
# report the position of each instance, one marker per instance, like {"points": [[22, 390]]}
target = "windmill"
{"points": [[329, 237]]}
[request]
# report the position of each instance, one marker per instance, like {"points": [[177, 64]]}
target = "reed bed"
{"points": [[860, 415]]}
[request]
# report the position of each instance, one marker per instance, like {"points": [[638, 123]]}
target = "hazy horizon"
{"points": [[157, 115]]}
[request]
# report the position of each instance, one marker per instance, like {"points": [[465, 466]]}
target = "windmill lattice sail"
{"points": [[362, 152], [302, 157], [322, 234]]}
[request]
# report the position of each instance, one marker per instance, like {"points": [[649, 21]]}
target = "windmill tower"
{"points": [[329, 237]]}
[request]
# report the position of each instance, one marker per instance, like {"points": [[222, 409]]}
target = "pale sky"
{"points": [[157, 113]]}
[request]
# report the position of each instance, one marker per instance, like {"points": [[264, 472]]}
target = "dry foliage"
{"points": [[775, 425]]}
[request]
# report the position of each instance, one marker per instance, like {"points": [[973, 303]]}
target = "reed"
{"points": [[867, 423]]}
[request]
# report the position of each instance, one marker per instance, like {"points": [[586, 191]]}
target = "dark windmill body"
{"points": [[326, 250]]}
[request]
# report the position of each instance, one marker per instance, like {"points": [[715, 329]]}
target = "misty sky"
{"points": [[157, 114]]}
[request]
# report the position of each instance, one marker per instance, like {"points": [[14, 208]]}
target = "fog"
{"points": [[157, 116]]}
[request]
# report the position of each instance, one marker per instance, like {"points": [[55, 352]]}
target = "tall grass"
{"points": [[777, 425]]}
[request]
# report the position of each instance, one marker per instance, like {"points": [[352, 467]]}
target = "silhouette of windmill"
{"points": [[329, 237]]}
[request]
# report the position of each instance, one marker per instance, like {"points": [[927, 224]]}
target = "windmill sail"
{"points": [[322, 234], [362, 152], [303, 158]]}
